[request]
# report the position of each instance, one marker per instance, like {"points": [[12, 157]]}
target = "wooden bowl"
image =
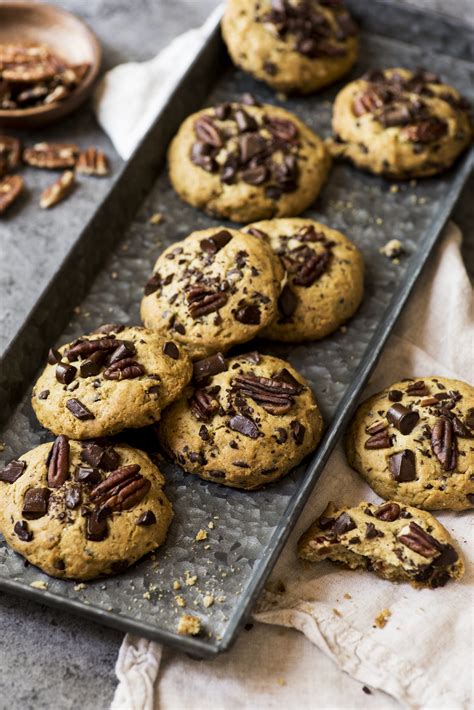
{"points": [[67, 36]]}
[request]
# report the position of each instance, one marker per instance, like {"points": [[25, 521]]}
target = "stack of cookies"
{"points": [[87, 504]]}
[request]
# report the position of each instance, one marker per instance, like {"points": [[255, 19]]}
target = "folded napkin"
{"points": [[423, 657], [129, 97]]}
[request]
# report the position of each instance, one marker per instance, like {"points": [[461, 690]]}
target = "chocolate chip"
{"points": [[209, 366], [96, 526], [447, 557], [65, 373], [72, 497], [153, 284], [249, 314], [402, 466], [402, 418], [287, 301], [86, 474], [60, 565], [44, 394], [216, 474], [124, 351], [147, 518], [370, 531], [244, 121], [469, 419], [298, 432], [93, 365], [12, 471], [256, 175], [79, 410], [343, 524], [281, 435], [22, 531], [171, 350], [395, 395], [216, 242], [35, 503], [244, 425]]}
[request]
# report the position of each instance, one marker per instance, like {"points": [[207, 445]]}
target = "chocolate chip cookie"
{"points": [[324, 278], [400, 124], [292, 45], [248, 421], [397, 542], [110, 380], [83, 509], [215, 289], [414, 442], [247, 162]]}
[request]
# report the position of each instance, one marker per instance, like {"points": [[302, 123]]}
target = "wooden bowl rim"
{"points": [[83, 86]]}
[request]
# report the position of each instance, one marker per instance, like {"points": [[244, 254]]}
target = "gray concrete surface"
{"points": [[50, 659]]}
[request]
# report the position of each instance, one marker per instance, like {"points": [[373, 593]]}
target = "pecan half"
{"points": [[203, 300], [203, 405], [85, 348], [276, 396], [58, 191], [51, 155], [427, 131], [417, 389], [381, 440], [58, 467], [92, 161], [10, 148], [444, 443], [123, 489], [125, 369], [366, 102], [420, 541], [11, 186]]}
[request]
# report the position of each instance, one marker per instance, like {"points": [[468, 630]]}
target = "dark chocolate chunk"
{"points": [[216, 242], [35, 503], [281, 435], [417, 389], [402, 466], [12, 471], [209, 366], [395, 395], [343, 524], [244, 425], [96, 526], [79, 410], [147, 518], [298, 432], [93, 364], [248, 314], [153, 284], [44, 394], [447, 557], [54, 356], [22, 531], [287, 301], [402, 418], [370, 531], [171, 350], [65, 373], [86, 474], [72, 497], [124, 351], [381, 440]]}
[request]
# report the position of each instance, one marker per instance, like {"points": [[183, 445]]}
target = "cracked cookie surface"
{"points": [[397, 542], [81, 510], [107, 381], [414, 442], [246, 424], [247, 162], [400, 124], [215, 289], [324, 278], [292, 45]]}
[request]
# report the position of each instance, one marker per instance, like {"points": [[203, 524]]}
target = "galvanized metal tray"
{"points": [[246, 531]]}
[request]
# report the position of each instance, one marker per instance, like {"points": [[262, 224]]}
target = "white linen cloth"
{"points": [[423, 657]]}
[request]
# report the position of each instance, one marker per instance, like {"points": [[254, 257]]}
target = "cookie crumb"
{"points": [[176, 584], [281, 681], [201, 535], [336, 612], [156, 218], [381, 619], [347, 596], [180, 601], [343, 329], [392, 249], [394, 189], [366, 690], [79, 587], [189, 625], [39, 584], [208, 600], [2, 446], [146, 595], [211, 525], [190, 579]]}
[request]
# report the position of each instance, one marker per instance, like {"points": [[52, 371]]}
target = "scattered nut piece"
{"points": [[190, 579], [58, 191], [180, 601], [176, 585], [11, 186], [201, 535], [51, 155], [39, 584], [392, 249], [79, 587], [156, 218], [10, 149], [189, 625], [208, 600], [382, 618], [92, 161], [146, 595], [211, 525]]}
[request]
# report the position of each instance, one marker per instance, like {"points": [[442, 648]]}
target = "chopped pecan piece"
{"points": [[203, 300], [92, 162], [51, 155], [125, 369], [10, 148], [444, 443], [380, 440], [11, 186], [366, 102], [417, 389], [58, 191], [85, 348]]}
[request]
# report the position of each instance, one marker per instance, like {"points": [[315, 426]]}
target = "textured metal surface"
{"points": [[246, 527]]}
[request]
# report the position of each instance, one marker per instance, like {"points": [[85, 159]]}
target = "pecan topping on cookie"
{"points": [[443, 443], [203, 300], [380, 440], [420, 541], [276, 396], [122, 490], [203, 405], [124, 369], [58, 466]]}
